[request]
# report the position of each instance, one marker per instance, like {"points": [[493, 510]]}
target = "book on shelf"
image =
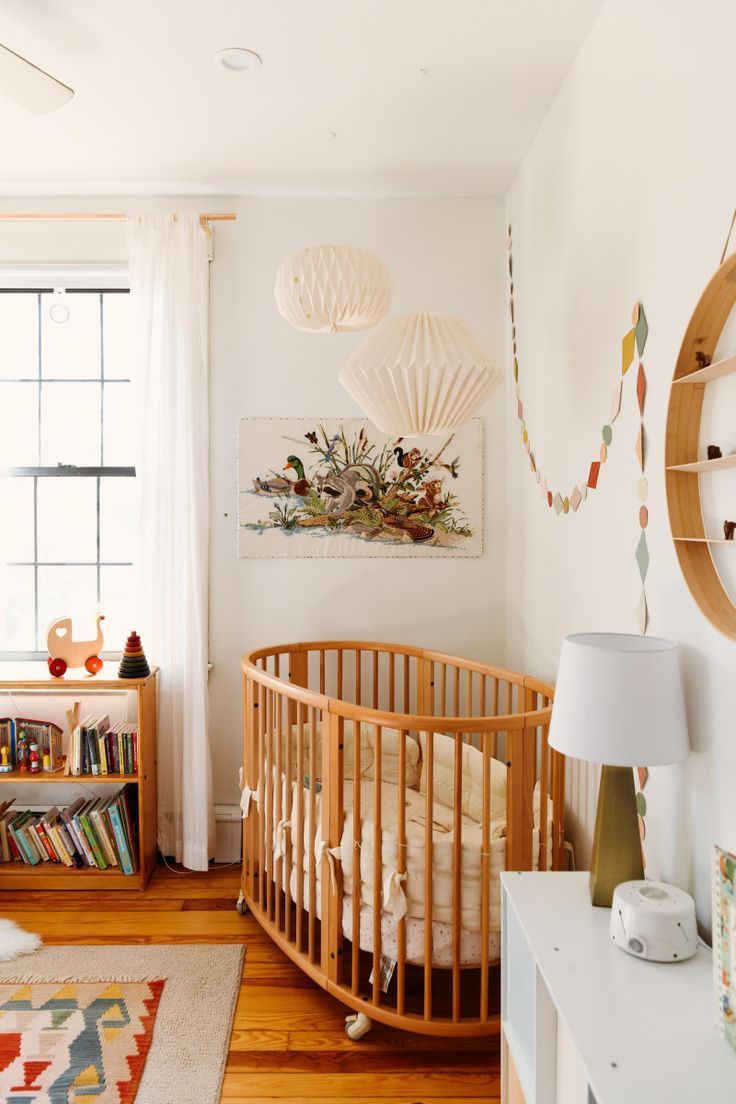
{"points": [[96, 832], [98, 748]]}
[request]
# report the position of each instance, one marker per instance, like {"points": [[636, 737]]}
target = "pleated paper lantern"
{"points": [[333, 288], [420, 373]]}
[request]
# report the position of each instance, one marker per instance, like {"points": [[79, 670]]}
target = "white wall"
{"points": [[445, 255], [626, 194]]}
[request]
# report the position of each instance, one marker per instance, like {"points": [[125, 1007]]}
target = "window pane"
{"points": [[19, 330], [18, 424], [16, 511], [67, 592], [118, 431], [67, 519], [118, 518], [16, 609], [116, 336], [70, 424], [71, 349], [116, 589]]}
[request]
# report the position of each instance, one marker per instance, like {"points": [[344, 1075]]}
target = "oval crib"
{"points": [[384, 787]]}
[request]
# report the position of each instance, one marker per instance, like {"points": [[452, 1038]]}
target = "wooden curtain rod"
{"points": [[74, 216]]}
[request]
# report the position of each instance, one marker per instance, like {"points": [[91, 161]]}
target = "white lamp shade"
{"points": [[619, 700], [333, 288], [420, 373]]}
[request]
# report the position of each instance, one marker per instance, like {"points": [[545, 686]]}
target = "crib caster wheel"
{"points": [[241, 906], [357, 1026]]}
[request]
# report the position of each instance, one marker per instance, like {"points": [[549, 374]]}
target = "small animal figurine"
{"points": [[64, 651], [714, 452], [5, 764], [21, 751], [729, 528]]}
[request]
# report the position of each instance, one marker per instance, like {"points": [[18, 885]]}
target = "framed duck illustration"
{"points": [[320, 487]]}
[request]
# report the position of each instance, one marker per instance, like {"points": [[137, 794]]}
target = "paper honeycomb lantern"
{"points": [[420, 373], [333, 289]]}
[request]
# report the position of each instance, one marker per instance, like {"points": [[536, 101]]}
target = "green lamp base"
{"points": [[617, 853]]}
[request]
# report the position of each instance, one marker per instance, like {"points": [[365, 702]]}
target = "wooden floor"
{"points": [[288, 1042]]}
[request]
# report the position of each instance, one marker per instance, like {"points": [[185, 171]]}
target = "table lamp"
{"points": [[618, 701]]}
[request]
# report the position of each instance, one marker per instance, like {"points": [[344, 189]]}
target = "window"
{"points": [[67, 481]]}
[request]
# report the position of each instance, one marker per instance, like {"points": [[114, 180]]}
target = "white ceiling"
{"points": [[153, 113]]}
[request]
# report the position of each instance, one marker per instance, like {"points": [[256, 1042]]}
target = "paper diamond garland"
{"points": [[627, 351], [641, 387], [639, 447], [575, 498], [642, 558], [641, 330], [557, 500], [616, 402], [642, 613], [595, 468]]}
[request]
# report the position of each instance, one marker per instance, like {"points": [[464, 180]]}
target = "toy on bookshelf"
{"points": [[66, 652], [19, 735], [134, 664]]}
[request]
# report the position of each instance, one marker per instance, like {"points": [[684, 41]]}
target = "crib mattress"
{"points": [[406, 896]]}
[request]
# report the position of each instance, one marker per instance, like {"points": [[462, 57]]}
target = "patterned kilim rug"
{"points": [[116, 1025]]}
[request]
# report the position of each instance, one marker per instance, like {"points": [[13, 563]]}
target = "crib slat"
{"points": [[375, 680], [428, 869], [401, 932], [299, 826], [494, 713], [543, 791], [332, 820], [288, 815], [269, 802], [358, 677], [377, 866], [312, 832], [457, 851], [357, 839], [263, 797], [558, 810], [443, 690], [485, 876], [339, 656], [278, 803], [321, 670], [391, 682], [407, 685], [457, 691]]}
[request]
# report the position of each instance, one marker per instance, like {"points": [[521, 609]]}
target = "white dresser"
{"points": [[585, 1023]]}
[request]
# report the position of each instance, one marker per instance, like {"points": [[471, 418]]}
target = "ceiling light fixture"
{"points": [[236, 59]]}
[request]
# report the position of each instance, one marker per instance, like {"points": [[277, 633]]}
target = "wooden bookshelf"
{"points": [[47, 875]]}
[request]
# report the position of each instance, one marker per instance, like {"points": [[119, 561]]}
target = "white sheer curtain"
{"points": [[169, 283]]}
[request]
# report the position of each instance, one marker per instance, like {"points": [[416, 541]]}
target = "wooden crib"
{"points": [[383, 788]]}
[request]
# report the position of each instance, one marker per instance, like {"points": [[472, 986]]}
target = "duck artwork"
{"points": [[359, 484]]}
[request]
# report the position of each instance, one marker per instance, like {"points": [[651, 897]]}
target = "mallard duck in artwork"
{"points": [[275, 485], [301, 486]]}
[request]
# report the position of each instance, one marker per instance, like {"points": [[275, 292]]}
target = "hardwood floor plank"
{"points": [[288, 1042]]}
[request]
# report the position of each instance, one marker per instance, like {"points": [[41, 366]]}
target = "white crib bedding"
{"points": [[407, 896]]}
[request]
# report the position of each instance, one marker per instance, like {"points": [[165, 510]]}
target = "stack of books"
{"points": [[96, 747], [98, 832]]}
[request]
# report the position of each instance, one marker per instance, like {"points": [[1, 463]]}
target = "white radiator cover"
{"points": [[228, 833]]}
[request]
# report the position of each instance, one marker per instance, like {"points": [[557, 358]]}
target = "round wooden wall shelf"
{"points": [[694, 371]]}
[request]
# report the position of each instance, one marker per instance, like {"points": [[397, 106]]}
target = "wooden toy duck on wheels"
{"points": [[65, 652]]}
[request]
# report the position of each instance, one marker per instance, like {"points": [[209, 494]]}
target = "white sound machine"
{"points": [[654, 920]]}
